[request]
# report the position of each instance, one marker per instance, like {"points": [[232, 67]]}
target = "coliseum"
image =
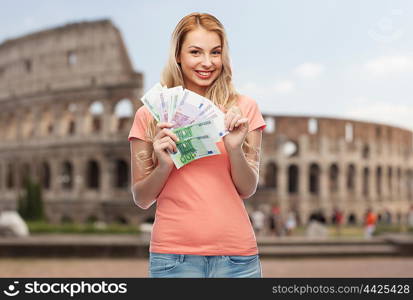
{"points": [[68, 97], [311, 164]]}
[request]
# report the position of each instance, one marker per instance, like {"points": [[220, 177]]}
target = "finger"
{"points": [[167, 132], [162, 125], [167, 139], [241, 121], [166, 145]]}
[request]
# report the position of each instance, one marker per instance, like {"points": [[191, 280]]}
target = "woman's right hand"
{"points": [[164, 140]]}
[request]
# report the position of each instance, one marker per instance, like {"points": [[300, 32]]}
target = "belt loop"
{"points": [[181, 258]]}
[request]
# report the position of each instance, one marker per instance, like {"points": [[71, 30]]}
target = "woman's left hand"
{"points": [[237, 126]]}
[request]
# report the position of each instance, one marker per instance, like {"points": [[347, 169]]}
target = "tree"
{"points": [[30, 204]]}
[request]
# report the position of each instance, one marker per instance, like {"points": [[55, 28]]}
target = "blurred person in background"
{"points": [[370, 221]]}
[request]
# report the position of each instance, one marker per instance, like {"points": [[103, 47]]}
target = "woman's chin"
{"points": [[205, 82]]}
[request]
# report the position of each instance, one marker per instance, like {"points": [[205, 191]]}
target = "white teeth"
{"points": [[204, 73]]}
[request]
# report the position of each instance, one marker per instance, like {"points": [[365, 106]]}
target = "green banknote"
{"points": [[198, 129], [193, 148]]}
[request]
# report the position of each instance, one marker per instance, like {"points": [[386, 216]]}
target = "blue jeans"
{"points": [[197, 266]]}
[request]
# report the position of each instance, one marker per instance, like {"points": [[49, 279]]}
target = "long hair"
{"points": [[221, 92]]}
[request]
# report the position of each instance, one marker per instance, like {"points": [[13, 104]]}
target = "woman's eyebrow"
{"points": [[193, 46]]}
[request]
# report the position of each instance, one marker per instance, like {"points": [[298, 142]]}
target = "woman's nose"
{"points": [[206, 62]]}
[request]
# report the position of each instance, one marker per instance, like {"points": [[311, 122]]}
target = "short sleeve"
{"points": [[140, 125], [250, 109]]}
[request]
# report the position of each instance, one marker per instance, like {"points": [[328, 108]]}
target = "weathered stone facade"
{"points": [[68, 97]]}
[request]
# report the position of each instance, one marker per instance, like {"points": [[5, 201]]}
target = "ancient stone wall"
{"points": [[313, 163], [67, 101]]}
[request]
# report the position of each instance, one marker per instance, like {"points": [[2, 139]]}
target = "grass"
{"points": [[114, 228], [357, 231], [71, 228]]}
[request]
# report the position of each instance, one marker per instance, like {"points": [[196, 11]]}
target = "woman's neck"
{"points": [[200, 90]]}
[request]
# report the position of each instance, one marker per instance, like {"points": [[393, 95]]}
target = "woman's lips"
{"points": [[204, 74]]}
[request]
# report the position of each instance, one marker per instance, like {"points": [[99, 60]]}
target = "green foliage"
{"points": [[392, 229], [30, 203]]}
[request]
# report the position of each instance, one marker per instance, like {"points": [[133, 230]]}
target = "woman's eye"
{"points": [[194, 52], [216, 52]]}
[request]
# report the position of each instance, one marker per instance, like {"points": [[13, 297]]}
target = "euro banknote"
{"points": [[193, 148], [192, 115]]}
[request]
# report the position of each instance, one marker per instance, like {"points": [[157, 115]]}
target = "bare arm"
{"points": [[145, 189], [245, 175]]}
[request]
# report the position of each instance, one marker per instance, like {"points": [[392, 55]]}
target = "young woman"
{"points": [[201, 227]]}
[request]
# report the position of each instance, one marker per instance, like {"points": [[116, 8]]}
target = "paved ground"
{"points": [[314, 267]]}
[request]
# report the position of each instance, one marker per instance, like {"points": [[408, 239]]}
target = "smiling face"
{"points": [[200, 59]]}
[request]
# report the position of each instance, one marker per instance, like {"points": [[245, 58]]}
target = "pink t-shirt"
{"points": [[199, 210]]}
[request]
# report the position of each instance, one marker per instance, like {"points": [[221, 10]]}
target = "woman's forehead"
{"points": [[202, 38]]}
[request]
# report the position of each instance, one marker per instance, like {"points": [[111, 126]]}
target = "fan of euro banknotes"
{"points": [[198, 122]]}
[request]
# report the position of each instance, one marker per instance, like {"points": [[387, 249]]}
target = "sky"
{"points": [[324, 58]]}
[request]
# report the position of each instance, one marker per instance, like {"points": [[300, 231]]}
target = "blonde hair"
{"points": [[221, 92]]}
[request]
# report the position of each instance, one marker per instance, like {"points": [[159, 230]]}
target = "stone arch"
{"points": [[290, 148], [312, 126], [351, 177], [93, 174], [366, 176], [66, 177], [390, 179], [24, 174], [149, 219], [293, 179], [409, 183], [71, 57], [94, 117], [365, 152], [271, 171], [123, 114], [27, 128], [45, 175], [10, 177], [352, 219], [121, 220], [399, 179], [122, 174], [68, 120], [3, 125], [46, 122], [349, 132], [333, 176], [11, 129], [314, 179]]}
